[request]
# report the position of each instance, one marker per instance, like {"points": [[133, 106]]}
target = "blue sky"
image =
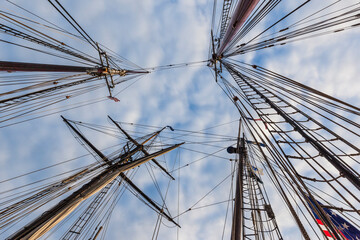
{"points": [[152, 33]]}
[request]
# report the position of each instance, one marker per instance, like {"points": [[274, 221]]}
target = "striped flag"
{"points": [[344, 228]]}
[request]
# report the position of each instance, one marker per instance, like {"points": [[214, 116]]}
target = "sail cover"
{"points": [[243, 9]]}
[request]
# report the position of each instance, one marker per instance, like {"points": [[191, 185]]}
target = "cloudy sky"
{"points": [[155, 33]]}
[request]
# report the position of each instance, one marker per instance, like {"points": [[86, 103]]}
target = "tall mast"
{"points": [[53, 216], [21, 98], [268, 105], [333, 159], [103, 71], [38, 67], [253, 217], [237, 231], [116, 167]]}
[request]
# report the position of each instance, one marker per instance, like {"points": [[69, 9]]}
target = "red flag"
{"points": [[114, 99]]}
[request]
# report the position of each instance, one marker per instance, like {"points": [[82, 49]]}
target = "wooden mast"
{"points": [[237, 230], [53, 216], [39, 67]]}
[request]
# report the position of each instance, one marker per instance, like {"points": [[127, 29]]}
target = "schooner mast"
{"points": [[253, 217], [301, 123], [33, 86], [109, 170]]}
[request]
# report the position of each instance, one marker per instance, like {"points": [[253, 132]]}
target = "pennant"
{"points": [[113, 98]]}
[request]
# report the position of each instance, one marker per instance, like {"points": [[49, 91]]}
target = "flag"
{"points": [[257, 170], [253, 172], [114, 98], [251, 142], [343, 227]]}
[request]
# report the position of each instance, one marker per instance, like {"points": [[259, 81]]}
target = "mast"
{"points": [[237, 231], [116, 167], [53, 216], [333, 159], [139, 147], [21, 99], [37, 67], [266, 103], [253, 217], [93, 72]]}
